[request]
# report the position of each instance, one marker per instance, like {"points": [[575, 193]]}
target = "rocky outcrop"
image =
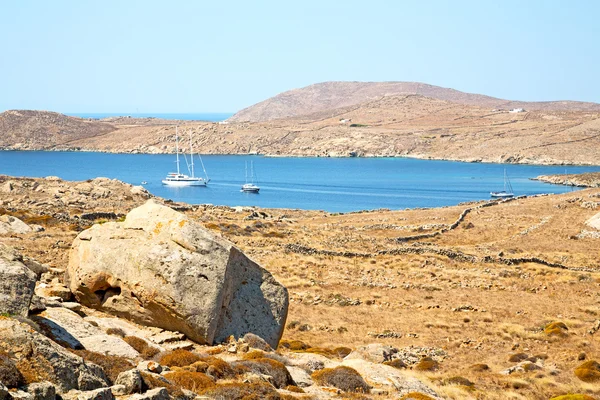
{"points": [[31, 351], [17, 283], [594, 222], [159, 268], [13, 225]]}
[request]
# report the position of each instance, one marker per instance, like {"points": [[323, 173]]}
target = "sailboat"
{"points": [[177, 178], [250, 187], [508, 190]]}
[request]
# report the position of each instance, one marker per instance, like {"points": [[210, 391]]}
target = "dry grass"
{"points": [[416, 396], [141, 346], [589, 371], [266, 366], [343, 378], [178, 358], [243, 391], [197, 382], [153, 381], [112, 365]]}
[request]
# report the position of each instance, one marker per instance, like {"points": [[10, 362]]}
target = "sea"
{"points": [[211, 117], [330, 184]]}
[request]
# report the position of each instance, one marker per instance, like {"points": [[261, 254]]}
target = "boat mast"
{"points": [[505, 181], [191, 155], [177, 148], [246, 171]]}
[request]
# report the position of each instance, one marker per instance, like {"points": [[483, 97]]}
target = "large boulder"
{"points": [[13, 225], [17, 283], [159, 268], [43, 360]]}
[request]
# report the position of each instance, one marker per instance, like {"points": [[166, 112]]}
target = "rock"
{"points": [[159, 268], [135, 190], [594, 222], [374, 352], [182, 345], [154, 394], [35, 266], [300, 376], [98, 394], [37, 304], [4, 395], [132, 380], [71, 305], [13, 225], [38, 352], [390, 377], [21, 395], [42, 390], [7, 187], [70, 329], [166, 337], [119, 390], [54, 290], [17, 283], [256, 342], [151, 366]]}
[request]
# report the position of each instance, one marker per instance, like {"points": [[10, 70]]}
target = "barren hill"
{"points": [[30, 130], [333, 95]]}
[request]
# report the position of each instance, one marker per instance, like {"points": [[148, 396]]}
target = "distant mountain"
{"points": [[31, 130], [332, 95]]}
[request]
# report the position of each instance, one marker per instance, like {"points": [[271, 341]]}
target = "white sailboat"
{"points": [[507, 192], [250, 187], [180, 180]]}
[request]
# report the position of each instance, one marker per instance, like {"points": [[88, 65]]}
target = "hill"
{"points": [[333, 95], [33, 130]]}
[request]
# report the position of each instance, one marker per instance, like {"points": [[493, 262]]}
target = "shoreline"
{"points": [[407, 156]]}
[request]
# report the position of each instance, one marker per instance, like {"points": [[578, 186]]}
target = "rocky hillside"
{"points": [[33, 130], [332, 95], [590, 179]]}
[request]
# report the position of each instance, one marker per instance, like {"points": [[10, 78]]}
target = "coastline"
{"points": [[523, 161]]}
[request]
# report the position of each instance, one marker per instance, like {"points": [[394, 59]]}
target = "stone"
{"points": [[154, 394], [119, 390], [98, 394], [13, 225], [37, 304], [167, 337], [385, 377], [594, 222], [151, 366], [42, 390], [374, 352], [132, 380], [256, 342], [68, 370], [17, 283], [4, 394], [70, 329], [160, 268], [21, 395], [300, 376]]}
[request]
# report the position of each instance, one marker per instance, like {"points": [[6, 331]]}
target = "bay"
{"points": [[331, 184]]}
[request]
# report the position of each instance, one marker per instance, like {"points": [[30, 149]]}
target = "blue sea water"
{"points": [[332, 184], [212, 117]]}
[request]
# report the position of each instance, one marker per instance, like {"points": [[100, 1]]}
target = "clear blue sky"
{"points": [[220, 56]]}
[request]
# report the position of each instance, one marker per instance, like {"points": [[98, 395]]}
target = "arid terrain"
{"points": [[502, 296], [590, 179], [343, 120]]}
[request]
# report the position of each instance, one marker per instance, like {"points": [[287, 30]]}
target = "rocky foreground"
{"points": [[109, 292]]}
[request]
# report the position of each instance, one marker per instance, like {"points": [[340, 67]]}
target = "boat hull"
{"points": [[184, 183], [250, 189], [501, 195]]}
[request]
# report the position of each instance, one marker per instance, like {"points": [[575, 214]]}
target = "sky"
{"points": [[221, 56]]}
